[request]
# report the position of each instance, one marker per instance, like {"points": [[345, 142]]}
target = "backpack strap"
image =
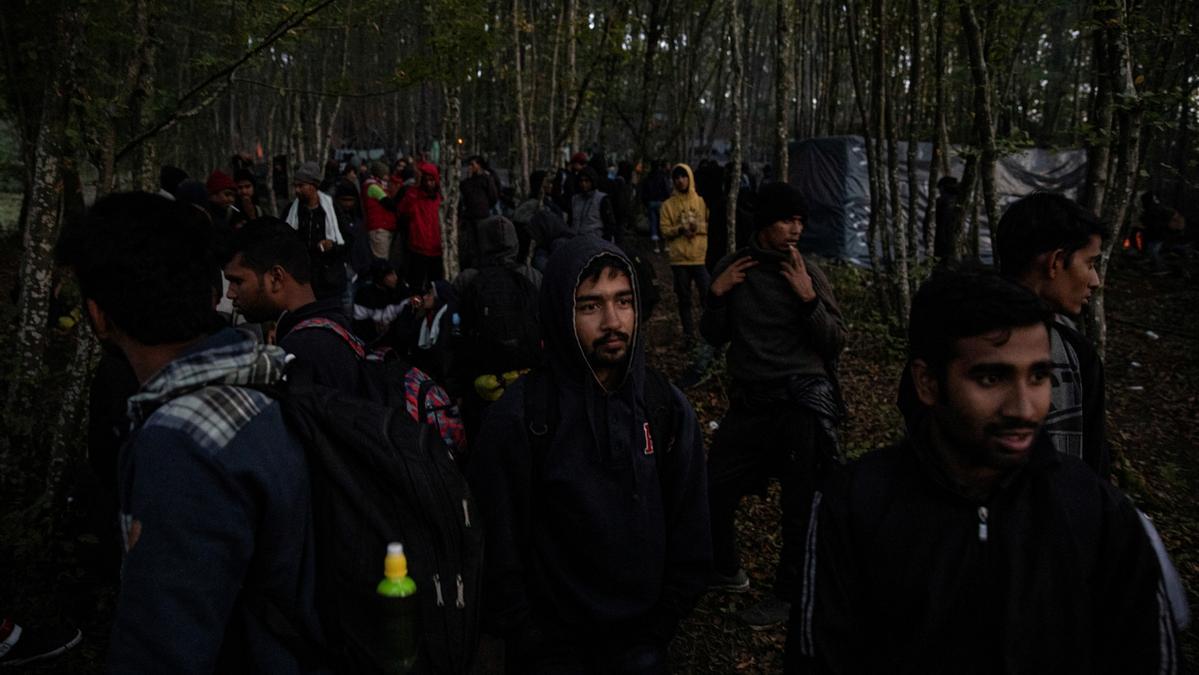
{"points": [[541, 406], [328, 324]]}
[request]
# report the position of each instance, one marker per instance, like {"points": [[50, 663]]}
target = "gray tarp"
{"points": [[833, 175]]}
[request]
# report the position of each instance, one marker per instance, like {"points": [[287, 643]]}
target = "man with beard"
{"points": [[974, 546], [591, 475], [270, 279]]}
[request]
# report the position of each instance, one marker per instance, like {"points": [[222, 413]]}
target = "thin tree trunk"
{"points": [[571, 74], [450, 170], [72, 409], [939, 149], [522, 128], [1099, 142], [783, 74], [554, 147], [737, 79], [915, 125], [984, 125], [325, 141]]}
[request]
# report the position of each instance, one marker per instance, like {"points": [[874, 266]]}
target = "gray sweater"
{"points": [[773, 333]]}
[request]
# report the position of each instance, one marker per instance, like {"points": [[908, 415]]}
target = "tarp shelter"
{"points": [[832, 173]]}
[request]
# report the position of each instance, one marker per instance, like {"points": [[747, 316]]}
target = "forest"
{"points": [[98, 96]]}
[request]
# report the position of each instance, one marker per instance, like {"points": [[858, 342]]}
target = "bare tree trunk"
{"points": [[554, 147], [915, 124], [325, 141], [1122, 191], [737, 80], [783, 85], [522, 125], [1099, 141], [44, 196], [72, 414], [939, 148], [984, 125], [451, 168], [571, 74]]}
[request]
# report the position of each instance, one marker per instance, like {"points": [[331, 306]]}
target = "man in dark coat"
{"points": [[973, 546], [777, 311], [597, 530]]}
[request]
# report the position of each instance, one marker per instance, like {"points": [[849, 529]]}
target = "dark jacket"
{"points": [[436, 355], [1051, 574], [335, 363], [479, 195], [773, 333], [598, 537], [216, 507]]}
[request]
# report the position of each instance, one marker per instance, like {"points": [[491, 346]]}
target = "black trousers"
{"points": [[684, 276], [758, 441]]}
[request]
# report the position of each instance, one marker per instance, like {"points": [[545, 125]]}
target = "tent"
{"points": [[832, 173]]}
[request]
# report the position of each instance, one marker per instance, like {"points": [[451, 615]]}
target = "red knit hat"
{"points": [[219, 181], [578, 158]]}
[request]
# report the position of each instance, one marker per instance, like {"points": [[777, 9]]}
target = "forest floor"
{"points": [[48, 570]]}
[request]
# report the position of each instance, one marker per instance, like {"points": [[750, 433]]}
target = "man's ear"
{"points": [[274, 279], [1055, 262], [99, 319], [928, 388]]}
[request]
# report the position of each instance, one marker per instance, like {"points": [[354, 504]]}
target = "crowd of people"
{"points": [[989, 540]]}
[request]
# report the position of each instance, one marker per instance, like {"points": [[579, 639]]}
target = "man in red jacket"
{"points": [[421, 209], [380, 221]]}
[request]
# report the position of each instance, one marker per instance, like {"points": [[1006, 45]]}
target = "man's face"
{"points": [[305, 192], [474, 168], [547, 185], [222, 198], [605, 318], [783, 235], [252, 293], [346, 203], [585, 184], [682, 183], [245, 189], [1071, 286], [577, 166], [993, 396], [428, 183]]}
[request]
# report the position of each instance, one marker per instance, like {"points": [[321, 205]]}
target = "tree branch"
{"points": [[281, 30]]}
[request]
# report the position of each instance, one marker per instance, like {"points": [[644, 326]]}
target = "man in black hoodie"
{"points": [[597, 520], [973, 546]]}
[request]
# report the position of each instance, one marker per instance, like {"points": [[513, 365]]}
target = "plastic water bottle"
{"points": [[397, 595]]}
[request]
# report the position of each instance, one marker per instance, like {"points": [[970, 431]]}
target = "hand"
{"points": [[325, 244], [797, 275], [732, 276]]}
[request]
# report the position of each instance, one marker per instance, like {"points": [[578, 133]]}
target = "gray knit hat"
{"points": [[309, 172]]}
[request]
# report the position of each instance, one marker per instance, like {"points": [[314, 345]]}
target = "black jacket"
{"points": [[598, 537], [335, 363], [1052, 574]]}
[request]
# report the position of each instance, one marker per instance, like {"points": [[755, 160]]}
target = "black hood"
{"points": [[498, 244], [561, 279]]}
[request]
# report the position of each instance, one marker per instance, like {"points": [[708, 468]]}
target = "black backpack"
{"points": [[501, 319], [379, 476]]}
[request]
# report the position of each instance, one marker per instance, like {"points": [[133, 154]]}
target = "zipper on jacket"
{"points": [[465, 513], [982, 524], [437, 587], [461, 593]]}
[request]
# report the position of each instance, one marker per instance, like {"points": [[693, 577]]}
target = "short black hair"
{"points": [[149, 262], [477, 159], [1039, 223], [967, 302], [605, 261], [678, 172], [266, 242]]}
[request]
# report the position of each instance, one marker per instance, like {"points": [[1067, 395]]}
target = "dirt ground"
{"points": [[1153, 404]]}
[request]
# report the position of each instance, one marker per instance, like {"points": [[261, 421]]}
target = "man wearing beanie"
{"points": [[222, 192], [777, 312], [314, 217]]}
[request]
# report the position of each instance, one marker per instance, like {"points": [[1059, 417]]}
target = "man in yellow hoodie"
{"points": [[685, 227]]}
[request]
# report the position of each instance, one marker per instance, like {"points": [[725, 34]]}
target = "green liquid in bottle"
{"points": [[399, 612]]}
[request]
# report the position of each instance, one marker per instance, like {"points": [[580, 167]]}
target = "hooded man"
{"points": [[421, 208], [685, 227], [597, 524], [777, 311], [377, 206], [590, 209]]}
